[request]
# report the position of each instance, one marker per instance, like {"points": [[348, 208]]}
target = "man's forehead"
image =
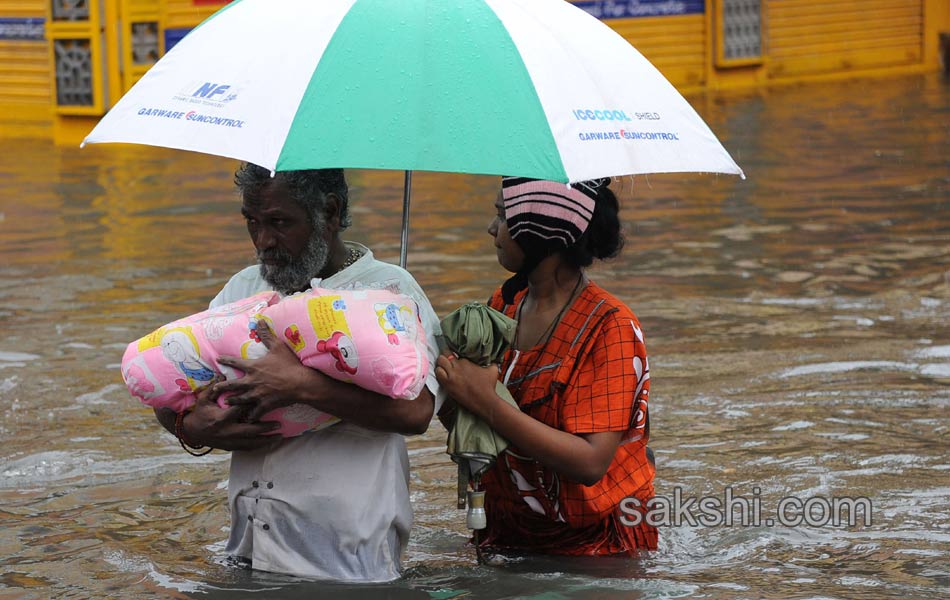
{"points": [[273, 197]]}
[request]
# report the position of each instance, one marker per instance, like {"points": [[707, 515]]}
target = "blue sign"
{"points": [[173, 36], [628, 9], [22, 29]]}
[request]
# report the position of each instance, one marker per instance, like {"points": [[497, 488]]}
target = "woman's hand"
{"points": [[469, 385], [270, 382], [584, 458]]}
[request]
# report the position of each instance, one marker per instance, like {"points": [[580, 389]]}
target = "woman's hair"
{"points": [[603, 237], [308, 188], [579, 222]]}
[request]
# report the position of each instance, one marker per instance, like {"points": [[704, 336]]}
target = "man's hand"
{"points": [[272, 381], [226, 428], [280, 379], [223, 428]]}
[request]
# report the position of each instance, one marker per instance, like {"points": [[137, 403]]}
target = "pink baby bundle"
{"points": [[372, 338]]}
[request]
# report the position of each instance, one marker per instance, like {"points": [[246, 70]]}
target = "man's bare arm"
{"points": [[279, 379]]}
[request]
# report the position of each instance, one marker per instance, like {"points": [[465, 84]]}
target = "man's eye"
{"points": [[281, 223], [251, 222]]}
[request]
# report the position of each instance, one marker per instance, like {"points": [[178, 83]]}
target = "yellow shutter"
{"points": [[810, 38]]}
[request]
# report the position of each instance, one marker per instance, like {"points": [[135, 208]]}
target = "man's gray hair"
{"points": [[308, 188]]}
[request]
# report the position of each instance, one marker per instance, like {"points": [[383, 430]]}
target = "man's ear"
{"points": [[332, 209]]}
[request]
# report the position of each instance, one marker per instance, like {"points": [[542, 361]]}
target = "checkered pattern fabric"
{"points": [[591, 376]]}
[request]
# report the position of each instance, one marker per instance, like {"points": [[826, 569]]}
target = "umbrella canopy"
{"points": [[534, 88]]}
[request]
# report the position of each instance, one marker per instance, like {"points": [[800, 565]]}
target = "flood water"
{"points": [[798, 325]]}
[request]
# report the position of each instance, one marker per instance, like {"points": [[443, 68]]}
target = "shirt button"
{"points": [[254, 483], [266, 526], [250, 518], [270, 485]]}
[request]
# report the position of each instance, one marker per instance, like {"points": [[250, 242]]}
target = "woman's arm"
{"points": [[583, 458]]}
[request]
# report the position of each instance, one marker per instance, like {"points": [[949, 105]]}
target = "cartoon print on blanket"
{"points": [[372, 338]]}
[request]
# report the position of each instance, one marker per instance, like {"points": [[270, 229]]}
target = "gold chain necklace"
{"points": [[352, 256]]}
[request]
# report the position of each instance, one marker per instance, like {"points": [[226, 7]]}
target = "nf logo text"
{"points": [[210, 90]]}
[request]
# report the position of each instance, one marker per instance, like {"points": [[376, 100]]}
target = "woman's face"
{"points": [[510, 255]]}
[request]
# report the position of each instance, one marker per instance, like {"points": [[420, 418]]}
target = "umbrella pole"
{"points": [[404, 239], [479, 557]]}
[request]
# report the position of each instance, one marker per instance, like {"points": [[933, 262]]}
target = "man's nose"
{"points": [[264, 238]]}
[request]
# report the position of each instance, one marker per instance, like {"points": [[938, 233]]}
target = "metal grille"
{"points": [[73, 72], [70, 10], [144, 42], [741, 29]]}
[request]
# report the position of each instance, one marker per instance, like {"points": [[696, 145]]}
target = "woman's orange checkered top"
{"points": [[590, 376]]}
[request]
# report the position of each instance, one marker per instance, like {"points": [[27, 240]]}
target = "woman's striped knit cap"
{"points": [[547, 215]]}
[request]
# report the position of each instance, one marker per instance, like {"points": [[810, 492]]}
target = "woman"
{"points": [[578, 371]]}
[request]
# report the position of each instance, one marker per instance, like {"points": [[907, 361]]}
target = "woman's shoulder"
{"points": [[598, 328], [603, 314], [597, 299]]}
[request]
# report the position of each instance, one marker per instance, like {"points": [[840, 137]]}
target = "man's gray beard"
{"points": [[296, 273]]}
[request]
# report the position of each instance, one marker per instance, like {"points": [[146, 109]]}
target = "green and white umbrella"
{"points": [[535, 88]]}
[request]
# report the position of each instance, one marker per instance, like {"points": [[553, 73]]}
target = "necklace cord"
{"points": [[546, 334]]}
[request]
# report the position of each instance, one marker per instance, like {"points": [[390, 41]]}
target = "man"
{"points": [[334, 503]]}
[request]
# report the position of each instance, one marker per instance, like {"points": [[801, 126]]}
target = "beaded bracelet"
{"points": [[187, 446]]}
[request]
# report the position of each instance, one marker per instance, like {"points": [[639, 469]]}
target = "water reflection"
{"points": [[796, 321]]}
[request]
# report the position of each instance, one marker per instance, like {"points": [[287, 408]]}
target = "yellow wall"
{"points": [[801, 40], [185, 14], [675, 45]]}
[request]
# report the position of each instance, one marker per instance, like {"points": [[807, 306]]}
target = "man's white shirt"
{"points": [[332, 503]]}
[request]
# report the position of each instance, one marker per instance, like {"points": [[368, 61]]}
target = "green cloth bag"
{"points": [[482, 335]]}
